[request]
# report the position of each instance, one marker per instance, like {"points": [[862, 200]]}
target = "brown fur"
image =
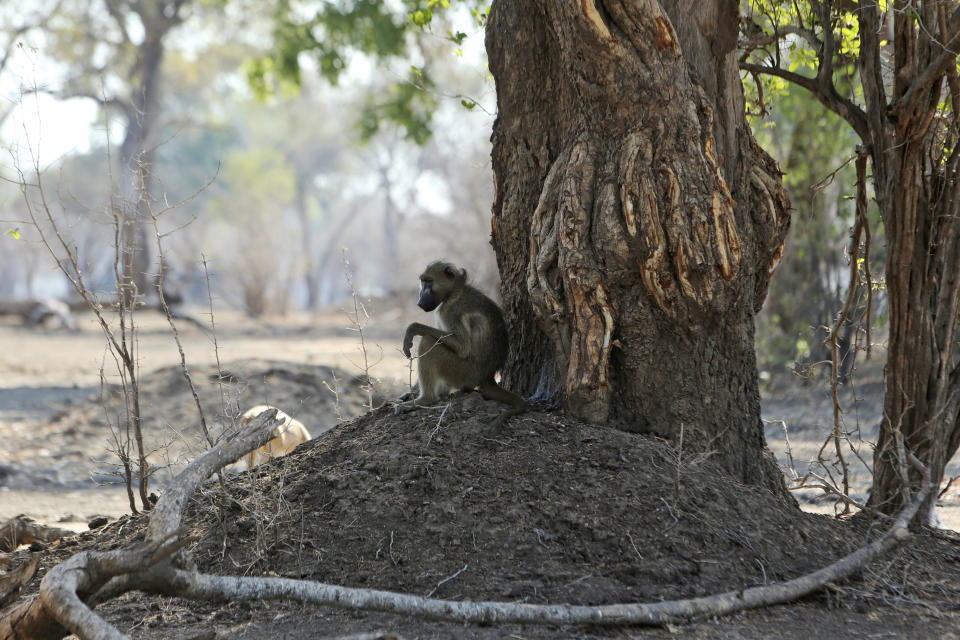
{"points": [[467, 349]]}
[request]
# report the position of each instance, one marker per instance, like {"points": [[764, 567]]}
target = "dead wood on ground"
{"points": [[62, 604], [11, 581], [23, 530]]}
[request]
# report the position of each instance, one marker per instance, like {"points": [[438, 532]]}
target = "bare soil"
{"points": [[62, 469], [553, 510]]}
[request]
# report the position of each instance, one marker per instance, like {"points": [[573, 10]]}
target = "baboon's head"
{"points": [[437, 282]]}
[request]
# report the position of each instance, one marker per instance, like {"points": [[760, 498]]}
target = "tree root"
{"points": [[64, 592], [23, 530], [89, 578]]}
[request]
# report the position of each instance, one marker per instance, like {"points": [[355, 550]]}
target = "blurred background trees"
{"points": [[346, 125], [274, 180], [814, 149]]}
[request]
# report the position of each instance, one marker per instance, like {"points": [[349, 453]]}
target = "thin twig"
{"points": [[448, 579]]}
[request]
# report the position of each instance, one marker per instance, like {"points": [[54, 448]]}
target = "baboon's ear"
{"points": [[463, 274], [449, 271]]}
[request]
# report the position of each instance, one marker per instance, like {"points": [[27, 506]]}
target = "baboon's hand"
{"points": [[407, 343]]}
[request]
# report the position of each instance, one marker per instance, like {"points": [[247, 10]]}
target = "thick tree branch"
{"points": [[116, 12], [166, 516], [65, 586], [829, 97], [825, 54], [750, 45], [871, 79], [909, 102], [69, 93]]}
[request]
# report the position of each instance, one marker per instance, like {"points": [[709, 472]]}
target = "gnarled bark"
{"points": [[636, 222]]}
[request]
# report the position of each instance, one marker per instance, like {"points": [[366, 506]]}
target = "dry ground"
{"points": [[552, 510], [58, 465], [556, 511]]}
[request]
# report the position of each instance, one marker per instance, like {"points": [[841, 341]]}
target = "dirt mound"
{"points": [[318, 396], [553, 510]]}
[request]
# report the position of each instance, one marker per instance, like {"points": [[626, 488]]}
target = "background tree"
{"points": [[114, 54], [639, 228], [901, 97], [258, 187], [813, 147]]}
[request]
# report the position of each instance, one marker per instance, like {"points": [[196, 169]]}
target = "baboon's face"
{"points": [[436, 283], [428, 299]]}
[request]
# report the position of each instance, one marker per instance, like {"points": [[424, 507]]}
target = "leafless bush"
{"points": [[115, 312], [116, 320], [830, 472], [359, 318]]}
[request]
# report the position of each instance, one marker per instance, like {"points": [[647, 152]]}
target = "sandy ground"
{"points": [[47, 373], [48, 359]]}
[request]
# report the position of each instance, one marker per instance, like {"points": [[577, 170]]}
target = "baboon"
{"points": [[287, 435], [469, 347]]}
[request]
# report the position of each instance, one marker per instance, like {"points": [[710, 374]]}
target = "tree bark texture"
{"points": [[913, 146], [635, 220]]}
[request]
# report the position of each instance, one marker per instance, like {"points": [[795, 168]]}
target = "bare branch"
{"points": [[18, 31], [829, 97], [87, 575], [113, 8]]}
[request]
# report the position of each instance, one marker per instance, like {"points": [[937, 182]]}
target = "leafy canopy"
{"points": [[334, 33], [796, 37]]}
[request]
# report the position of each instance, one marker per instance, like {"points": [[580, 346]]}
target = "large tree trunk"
{"points": [[922, 402], [635, 220], [138, 150], [915, 160]]}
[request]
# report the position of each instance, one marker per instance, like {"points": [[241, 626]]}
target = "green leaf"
{"points": [[421, 17], [14, 233], [481, 16]]}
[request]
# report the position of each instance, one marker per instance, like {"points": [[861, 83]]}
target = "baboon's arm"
{"points": [[447, 338]]}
